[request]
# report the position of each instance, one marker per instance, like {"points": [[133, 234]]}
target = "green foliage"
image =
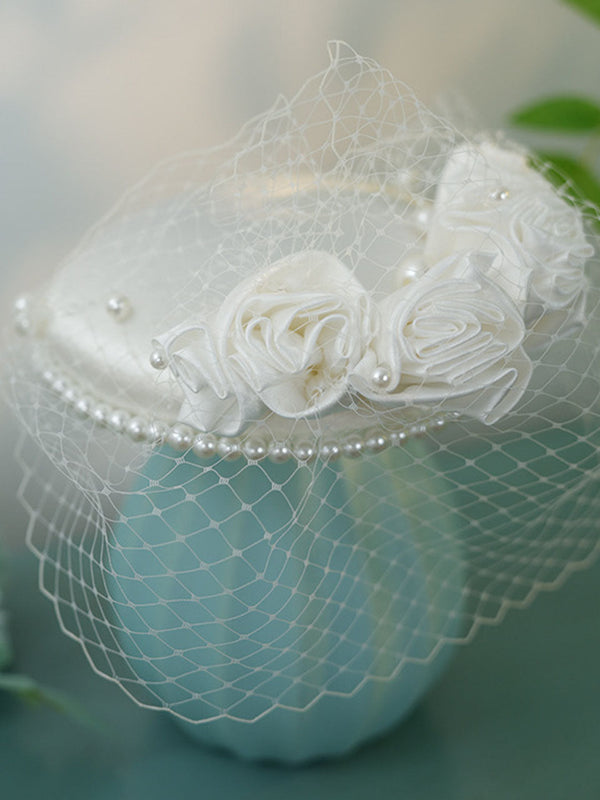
{"points": [[30, 691], [589, 7], [584, 185], [34, 694], [5, 653], [568, 114]]}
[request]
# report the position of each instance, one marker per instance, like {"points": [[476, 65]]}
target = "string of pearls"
{"points": [[206, 445]]}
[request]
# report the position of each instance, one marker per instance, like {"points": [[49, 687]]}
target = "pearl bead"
{"points": [[381, 377], [254, 450], [422, 217], [352, 448], [179, 437], [330, 451], [59, 386], [305, 452], [376, 443], [158, 359], [204, 445], [500, 194], [119, 307], [21, 304], [279, 453], [117, 420], [229, 449], [82, 407], [136, 429], [418, 431], [410, 272], [100, 414], [398, 438], [157, 432], [69, 395]]}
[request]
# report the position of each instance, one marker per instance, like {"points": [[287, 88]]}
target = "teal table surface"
{"points": [[517, 715]]}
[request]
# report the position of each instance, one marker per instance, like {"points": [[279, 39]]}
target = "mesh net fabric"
{"points": [[283, 579]]}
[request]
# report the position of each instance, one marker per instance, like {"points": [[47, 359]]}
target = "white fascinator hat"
{"points": [[319, 403]]}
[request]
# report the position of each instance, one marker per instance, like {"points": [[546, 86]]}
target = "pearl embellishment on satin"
{"points": [[305, 452], [229, 449], [423, 216], [376, 443], [330, 451], [119, 307], [279, 453], [180, 437], [500, 194], [254, 450], [158, 359], [381, 377], [352, 448], [204, 445], [207, 445]]}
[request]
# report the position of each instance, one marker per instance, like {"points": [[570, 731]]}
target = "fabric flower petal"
{"points": [[454, 334], [215, 399], [490, 199], [296, 331]]}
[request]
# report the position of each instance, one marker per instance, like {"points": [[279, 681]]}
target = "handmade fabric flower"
{"points": [[216, 399], [277, 522], [489, 199], [285, 339], [453, 338]]}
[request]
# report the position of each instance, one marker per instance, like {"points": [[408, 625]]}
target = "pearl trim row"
{"points": [[206, 445]]}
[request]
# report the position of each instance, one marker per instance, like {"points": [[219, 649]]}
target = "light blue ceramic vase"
{"points": [[289, 613]]}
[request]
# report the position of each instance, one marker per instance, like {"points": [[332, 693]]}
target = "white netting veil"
{"points": [[318, 403]]}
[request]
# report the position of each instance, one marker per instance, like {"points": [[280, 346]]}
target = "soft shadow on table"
{"points": [[397, 766], [516, 715]]}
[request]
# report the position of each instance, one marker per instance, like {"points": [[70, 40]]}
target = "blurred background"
{"points": [[94, 92]]}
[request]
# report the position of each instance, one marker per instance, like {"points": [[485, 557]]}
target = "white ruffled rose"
{"points": [[216, 399], [284, 340], [452, 339], [489, 199], [296, 331]]}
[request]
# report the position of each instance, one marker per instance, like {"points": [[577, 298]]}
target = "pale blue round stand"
{"points": [[291, 614]]}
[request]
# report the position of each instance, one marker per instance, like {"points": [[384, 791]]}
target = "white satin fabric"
{"points": [[453, 338], [500, 253], [490, 200], [284, 341]]}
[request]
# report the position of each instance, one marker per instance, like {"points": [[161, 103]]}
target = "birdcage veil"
{"points": [[317, 402]]}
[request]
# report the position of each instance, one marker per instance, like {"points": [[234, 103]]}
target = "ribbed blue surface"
{"points": [[277, 605]]}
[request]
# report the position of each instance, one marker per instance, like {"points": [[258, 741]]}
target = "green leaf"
{"points": [[34, 694], [589, 7], [5, 652], [574, 114], [581, 182]]}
